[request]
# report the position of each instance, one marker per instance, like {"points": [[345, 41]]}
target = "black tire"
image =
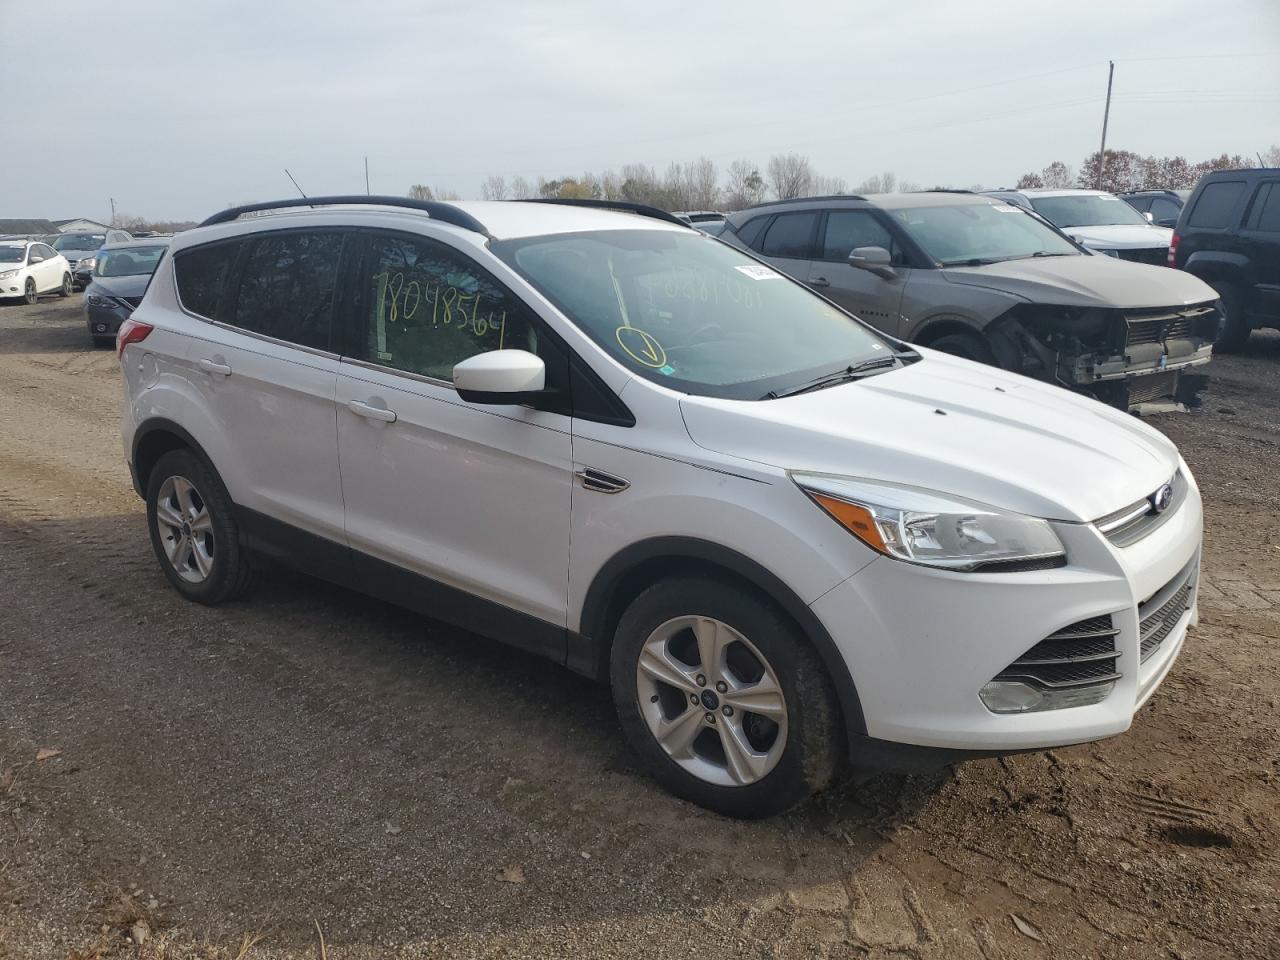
{"points": [[67, 286], [231, 573], [29, 295], [1233, 335], [968, 346], [102, 342], [814, 751]]}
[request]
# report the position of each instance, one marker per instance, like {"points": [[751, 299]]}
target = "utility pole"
{"points": [[1106, 115], [366, 176], [113, 210]]}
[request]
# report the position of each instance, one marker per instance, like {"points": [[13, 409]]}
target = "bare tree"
{"points": [[789, 175], [494, 188], [420, 191], [522, 189], [702, 181], [744, 187], [1058, 176], [821, 186], [886, 182], [1271, 157]]}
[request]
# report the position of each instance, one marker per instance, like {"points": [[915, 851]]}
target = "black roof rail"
{"points": [[833, 196], [643, 209], [946, 190], [436, 209]]}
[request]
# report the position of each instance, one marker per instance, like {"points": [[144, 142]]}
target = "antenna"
{"points": [[295, 182], [366, 177]]}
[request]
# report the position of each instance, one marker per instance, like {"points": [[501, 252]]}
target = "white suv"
{"points": [[787, 541], [28, 269]]}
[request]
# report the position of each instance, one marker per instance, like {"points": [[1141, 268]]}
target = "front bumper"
{"points": [[105, 321], [921, 643]]}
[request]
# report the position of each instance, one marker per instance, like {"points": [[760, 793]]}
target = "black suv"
{"points": [[1229, 236], [1164, 206]]}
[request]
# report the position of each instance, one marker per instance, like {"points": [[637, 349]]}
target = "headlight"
{"points": [[8, 275], [87, 263], [94, 300], [932, 529]]}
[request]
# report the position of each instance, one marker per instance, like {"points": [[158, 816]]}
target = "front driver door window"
{"points": [[471, 497], [864, 294]]}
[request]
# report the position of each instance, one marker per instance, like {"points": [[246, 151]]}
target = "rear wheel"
{"points": [[723, 699], [968, 346], [1234, 332], [103, 341], [67, 285], [29, 294], [193, 530]]}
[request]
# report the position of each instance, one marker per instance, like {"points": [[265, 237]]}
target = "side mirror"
{"points": [[500, 376], [35, 258], [874, 260], [1151, 217]]}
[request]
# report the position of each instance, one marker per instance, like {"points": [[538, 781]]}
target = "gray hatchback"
{"points": [[120, 278], [989, 281]]}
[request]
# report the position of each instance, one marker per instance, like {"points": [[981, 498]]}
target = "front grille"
{"points": [[1078, 655], [129, 303], [1156, 255], [1173, 324], [1153, 386], [1161, 613], [1130, 524]]}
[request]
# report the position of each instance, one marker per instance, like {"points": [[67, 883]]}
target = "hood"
{"points": [[121, 286], [1087, 281], [942, 424], [1121, 236]]}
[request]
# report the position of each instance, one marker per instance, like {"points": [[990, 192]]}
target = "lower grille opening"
{"points": [[1161, 613]]}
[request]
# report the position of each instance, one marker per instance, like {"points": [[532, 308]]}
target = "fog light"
{"points": [[1012, 696]]}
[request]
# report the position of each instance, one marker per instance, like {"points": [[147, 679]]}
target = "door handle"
{"points": [[370, 412], [819, 282], [212, 366]]}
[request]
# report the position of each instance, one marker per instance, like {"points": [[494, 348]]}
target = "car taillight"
{"points": [[1173, 250], [131, 331]]}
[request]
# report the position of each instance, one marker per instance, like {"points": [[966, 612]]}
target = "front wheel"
{"points": [[67, 286], [193, 530], [29, 295], [723, 698], [968, 346]]}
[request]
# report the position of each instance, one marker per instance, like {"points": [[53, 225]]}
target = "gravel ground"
{"points": [[240, 781]]}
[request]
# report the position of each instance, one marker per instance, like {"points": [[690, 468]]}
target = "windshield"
{"points": [[690, 312], [79, 242], [976, 233], [12, 254], [1086, 210], [128, 262]]}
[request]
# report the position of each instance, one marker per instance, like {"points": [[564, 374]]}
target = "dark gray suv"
{"points": [[987, 280]]}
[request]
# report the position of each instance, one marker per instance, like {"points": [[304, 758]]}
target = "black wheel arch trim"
{"points": [[151, 427], [589, 647]]}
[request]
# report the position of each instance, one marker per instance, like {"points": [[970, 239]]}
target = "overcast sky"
{"points": [[177, 109]]}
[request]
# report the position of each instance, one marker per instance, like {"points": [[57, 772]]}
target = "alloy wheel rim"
{"points": [[712, 701], [30, 292], [186, 529]]}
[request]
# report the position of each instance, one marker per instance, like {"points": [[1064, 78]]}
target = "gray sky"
{"points": [[176, 109]]}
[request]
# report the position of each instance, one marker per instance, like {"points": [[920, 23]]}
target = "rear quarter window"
{"points": [[1216, 204], [1264, 213], [202, 274]]}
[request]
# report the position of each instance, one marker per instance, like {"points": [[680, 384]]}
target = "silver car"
{"points": [[987, 280]]}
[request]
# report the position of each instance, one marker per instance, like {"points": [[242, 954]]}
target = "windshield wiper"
{"points": [[972, 262], [855, 371]]}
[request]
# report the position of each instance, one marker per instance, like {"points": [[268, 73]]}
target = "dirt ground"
{"points": [[240, 781]]}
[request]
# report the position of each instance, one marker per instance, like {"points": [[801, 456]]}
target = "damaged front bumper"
{"points": [[1123, 357]]}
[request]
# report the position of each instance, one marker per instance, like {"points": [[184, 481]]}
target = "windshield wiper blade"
{"points": [[972, 262], [855, 371]]}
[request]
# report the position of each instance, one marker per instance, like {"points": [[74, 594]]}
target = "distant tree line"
{"points": [[1124, 170], [136, 224], [695, 185]]}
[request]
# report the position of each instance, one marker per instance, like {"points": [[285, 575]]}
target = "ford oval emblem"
{"points": [[1161, 499]]}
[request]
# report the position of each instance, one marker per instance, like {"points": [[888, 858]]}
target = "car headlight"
{"points": [[88, 263], [8, 275], [94, 300], [932, 529]]}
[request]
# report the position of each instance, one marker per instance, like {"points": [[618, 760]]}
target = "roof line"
{"points": [[436, 209]]}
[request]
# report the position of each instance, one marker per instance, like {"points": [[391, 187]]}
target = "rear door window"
{"points": [[1163, 208], [202, 274], [1216, 203], [790, 235], [751, 230], [287, 287], [1264, 212]]}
